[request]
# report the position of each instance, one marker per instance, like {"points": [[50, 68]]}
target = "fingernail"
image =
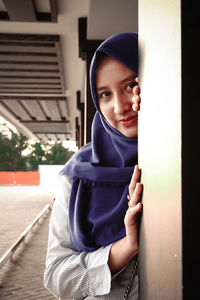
{"points": [[135, 107], [137, 167]]}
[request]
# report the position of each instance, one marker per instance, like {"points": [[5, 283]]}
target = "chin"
{"points": [[132, 133]]}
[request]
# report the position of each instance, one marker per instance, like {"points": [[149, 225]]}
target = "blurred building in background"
{"points": [[45, 52]]}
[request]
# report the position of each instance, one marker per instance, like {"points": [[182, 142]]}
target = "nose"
{"points": [[122, 103]]}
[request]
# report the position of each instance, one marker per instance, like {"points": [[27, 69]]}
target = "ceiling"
{"points": [[40, 68], [44, 62]]}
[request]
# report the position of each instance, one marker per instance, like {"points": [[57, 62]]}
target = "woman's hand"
{"points": [[136, 97], [125, 249], [130, 220]]}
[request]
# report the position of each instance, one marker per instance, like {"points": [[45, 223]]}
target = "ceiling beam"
{"points": [[27, 38], [28, 58], [27, 11], [54, 12], [22, 10], [84, 44], [23, 80], [23, 73], [46, 126], [26, 48], [20, 127], [31, 91], [45, 122], [43, 98], [31, 66]]}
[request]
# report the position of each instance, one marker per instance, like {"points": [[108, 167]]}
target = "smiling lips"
{"points": [[129, 121]]}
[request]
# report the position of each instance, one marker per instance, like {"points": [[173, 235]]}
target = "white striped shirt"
{"points": [[70, 274]]}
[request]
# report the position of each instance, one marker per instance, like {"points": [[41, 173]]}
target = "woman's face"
{"points": [[115, 83]]}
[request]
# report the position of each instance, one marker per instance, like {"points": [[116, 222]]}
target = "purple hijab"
{"points": [[101, 170]]}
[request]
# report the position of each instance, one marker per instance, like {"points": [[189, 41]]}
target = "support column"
{"points": [[86, 52], [169, 233]]}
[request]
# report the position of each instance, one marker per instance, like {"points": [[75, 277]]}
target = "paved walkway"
{"points": [[19, 205], [22, 277]]}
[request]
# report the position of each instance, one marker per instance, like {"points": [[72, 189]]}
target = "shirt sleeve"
{"points": [[69, 273]]}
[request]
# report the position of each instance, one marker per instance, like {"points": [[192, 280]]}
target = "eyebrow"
{"points": [[129, 77]]}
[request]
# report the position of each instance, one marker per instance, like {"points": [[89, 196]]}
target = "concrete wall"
{"points": [[19, 178], [49, 174], [160, 149], [108, 17]]}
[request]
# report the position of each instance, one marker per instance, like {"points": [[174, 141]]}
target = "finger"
{"points": [[136, 195], [136, 79], [136, 107], [136, 90], [135, 178], [136, 103], [134, 210], [136, 99], [131, 214]]}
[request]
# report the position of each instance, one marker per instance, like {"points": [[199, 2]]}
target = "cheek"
{"points": [[103, 107], [100, 106], [106, 111]]}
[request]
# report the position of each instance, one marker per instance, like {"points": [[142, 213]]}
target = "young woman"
{"points": [[93, 237]]}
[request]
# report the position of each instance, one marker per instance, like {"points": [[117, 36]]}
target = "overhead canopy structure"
{"points": [[32, 84], [45, 52], [29, 11]]}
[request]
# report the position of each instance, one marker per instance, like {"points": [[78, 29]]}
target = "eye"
{"points": [[131, 85], [104, 95]]}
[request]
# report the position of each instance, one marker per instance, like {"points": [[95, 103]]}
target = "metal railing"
{"points": [[13, 248]]}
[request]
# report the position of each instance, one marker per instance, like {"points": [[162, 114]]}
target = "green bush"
{"points": [[13, 144]]}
